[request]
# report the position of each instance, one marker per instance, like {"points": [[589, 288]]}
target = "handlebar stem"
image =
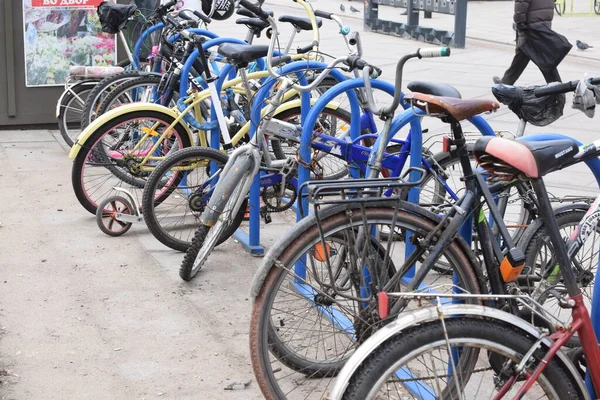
{"points": [[389, 111]]}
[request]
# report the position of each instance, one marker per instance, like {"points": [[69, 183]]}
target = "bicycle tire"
{"points": [[120, 92], [79, 163], [65, 119], [263, 345], [338, 113], [538, 252], [101, 89], [199, 247], [150, 201], [504, 340]]}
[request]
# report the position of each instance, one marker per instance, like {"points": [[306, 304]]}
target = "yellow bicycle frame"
{"points": [[194, 101]]}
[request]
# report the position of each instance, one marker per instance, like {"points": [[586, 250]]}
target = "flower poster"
{"points": [[60, 34]]}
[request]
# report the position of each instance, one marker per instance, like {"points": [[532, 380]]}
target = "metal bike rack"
{"points": [[412, 29]]}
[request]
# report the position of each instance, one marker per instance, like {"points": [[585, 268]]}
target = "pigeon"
{"points": [[354, 10], [342, 8], [582, 45]]}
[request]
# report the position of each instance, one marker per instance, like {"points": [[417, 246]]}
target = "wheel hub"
{"points": [[197, 202]]}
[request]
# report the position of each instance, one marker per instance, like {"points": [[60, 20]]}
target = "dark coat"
{"points": [[533, 13]]}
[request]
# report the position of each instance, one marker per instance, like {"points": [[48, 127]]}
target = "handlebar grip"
{"points": [[434, 52], [202, 17], [361, 64], [556, 89], [323, 14], [305, 49], [254, 9]]}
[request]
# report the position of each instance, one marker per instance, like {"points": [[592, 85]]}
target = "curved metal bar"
{"points": [[137, 49]]}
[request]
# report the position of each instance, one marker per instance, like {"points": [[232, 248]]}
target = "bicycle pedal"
{"points": [[265, 215]]}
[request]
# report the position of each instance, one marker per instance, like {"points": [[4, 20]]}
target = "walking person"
{"points": [[529, 14]]}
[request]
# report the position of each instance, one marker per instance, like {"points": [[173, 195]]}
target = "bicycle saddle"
{"points": [[240, 54], [300, 23], [435, 89], [113, 16], [247, 13], [532, 158], [256, 24], [458, 109]]}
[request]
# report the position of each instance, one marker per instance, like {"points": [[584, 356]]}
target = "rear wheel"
{"points": [[101, 90], [453, 361]]}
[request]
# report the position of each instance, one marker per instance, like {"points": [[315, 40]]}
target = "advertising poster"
{"points": [[60, 34]]}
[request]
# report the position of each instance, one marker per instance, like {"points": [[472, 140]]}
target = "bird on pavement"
{"points": [[342, 8], [354, 10], [582, 45]]}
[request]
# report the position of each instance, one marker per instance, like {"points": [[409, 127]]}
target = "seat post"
{"points": [[462, 150]]}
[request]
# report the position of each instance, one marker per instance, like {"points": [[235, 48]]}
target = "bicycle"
{"points": [[341, 233]]}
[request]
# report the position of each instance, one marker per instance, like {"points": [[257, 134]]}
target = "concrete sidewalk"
{"points": [[486, 21], [86, 316]]}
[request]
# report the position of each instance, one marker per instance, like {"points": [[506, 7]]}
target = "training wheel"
{"points": [[106, 215]]}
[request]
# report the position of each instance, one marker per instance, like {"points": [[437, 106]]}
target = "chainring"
{"points": [[273, 202]]}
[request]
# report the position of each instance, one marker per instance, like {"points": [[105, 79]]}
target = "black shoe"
{"points": [[497, 80]]}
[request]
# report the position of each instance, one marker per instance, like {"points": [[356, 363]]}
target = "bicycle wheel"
{"points": [[206, 237], [70, 110], [101, 90], [544, 280], [143, 89], [177, 192], [310, 314], [332, 122], [107, 158], [425, 362]]}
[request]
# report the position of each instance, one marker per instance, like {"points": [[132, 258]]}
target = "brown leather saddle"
{"points": [[456, 108]]}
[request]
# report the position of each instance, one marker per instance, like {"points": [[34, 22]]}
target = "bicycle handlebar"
{"points": [[562, 88], [255, 9]]}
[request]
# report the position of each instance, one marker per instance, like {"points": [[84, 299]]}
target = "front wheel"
{"points": [[230, 186], [454, 361], [113, 154], [177, 192], [314, 307]]}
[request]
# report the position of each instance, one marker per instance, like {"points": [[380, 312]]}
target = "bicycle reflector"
{"points": [[322, 252], [512, 264]]}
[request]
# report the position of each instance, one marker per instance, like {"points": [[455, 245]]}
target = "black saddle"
{"points": [[434, 89], [255, 24], [242, 54], [532, 158], [247, 13], [300, 23], [113, 16]]}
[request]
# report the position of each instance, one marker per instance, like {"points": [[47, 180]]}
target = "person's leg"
{"points": [[551, 76], [519, 63]]}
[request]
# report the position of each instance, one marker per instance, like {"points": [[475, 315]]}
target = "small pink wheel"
{"points": [[106, 215]]}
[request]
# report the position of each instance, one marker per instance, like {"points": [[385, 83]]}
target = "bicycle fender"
{"points": [[59, 106], [114, 113], [407, 320], [270, 259]]}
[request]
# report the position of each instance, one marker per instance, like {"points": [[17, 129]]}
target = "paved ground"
{"points": [[86, 316]]}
